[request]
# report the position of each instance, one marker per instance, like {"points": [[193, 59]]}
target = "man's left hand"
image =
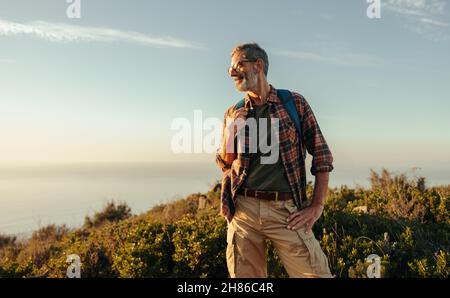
{"points": [[305, 217]]}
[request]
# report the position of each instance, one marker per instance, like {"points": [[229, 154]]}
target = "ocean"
{"points": [[33, 196]]}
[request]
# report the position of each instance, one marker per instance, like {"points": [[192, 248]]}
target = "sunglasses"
{"points": [[238, 65]]}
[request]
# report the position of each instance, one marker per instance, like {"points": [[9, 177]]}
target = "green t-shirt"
{"points": [[268, 177]]}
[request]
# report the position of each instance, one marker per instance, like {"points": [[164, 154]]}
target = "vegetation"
{"points": [[397, 218]]}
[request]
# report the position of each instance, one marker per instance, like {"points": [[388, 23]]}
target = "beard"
{"points": [[249, 82]]}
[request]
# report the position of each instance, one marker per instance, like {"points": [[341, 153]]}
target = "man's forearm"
{"points": [[320, 188]]}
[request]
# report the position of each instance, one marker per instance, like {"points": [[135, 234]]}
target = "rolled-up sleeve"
{"points": [[221, 163], [322, 159]]}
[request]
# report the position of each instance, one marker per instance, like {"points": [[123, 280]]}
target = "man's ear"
{"points": [[260, 64]]}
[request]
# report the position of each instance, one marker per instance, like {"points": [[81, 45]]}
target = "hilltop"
{"points": [[406, 223]]}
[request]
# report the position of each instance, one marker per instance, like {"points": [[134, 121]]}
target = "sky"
{"points": [[106, 87]]}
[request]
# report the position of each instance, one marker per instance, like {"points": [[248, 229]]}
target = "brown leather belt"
{"points": [[266, 195]]}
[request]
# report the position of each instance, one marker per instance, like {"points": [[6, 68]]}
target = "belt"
{"points": [[266, 195]]}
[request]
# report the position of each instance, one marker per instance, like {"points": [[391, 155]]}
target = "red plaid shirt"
{"points": [[292, 152]]}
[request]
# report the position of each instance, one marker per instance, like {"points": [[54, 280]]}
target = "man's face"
{"points": [[243, 72]]}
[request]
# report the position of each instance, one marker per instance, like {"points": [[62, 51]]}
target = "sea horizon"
{"points": [[33, 195]]}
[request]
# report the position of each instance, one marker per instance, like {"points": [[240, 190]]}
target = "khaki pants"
{"points": [[257, 220]]}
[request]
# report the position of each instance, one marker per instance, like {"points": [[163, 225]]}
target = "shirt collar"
{"points": [[272, 97]]}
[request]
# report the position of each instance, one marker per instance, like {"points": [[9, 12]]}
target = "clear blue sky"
{"points": [[106, 87]]}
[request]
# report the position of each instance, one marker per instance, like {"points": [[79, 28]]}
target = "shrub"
{"points": [[7, 240], [199, 246], [403, 221], [111, 213], [145, 251]]}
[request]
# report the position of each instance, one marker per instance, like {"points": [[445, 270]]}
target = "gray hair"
{"points": [[252, 51]]}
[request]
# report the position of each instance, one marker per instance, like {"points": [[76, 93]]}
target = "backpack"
{"points": [[288, 102]]}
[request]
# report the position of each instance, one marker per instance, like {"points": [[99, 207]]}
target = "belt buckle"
{"points": [[256, 194]]}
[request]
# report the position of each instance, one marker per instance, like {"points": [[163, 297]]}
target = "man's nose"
{"points": [[231, 71]]}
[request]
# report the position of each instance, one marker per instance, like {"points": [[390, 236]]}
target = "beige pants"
{"points": [[257, 220]]}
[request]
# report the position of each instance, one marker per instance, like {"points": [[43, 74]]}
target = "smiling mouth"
{"points": [[238, 80]]}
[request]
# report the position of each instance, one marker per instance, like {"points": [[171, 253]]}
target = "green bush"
{"points": [[145, 251], [199, 246], [111, 213], [399, 219]]}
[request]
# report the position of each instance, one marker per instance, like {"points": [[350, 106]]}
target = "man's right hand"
{"points": [[232, 120], [232, 126]]}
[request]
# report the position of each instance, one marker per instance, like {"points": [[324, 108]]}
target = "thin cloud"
{"points": [[416, 7], [64, 33], [335, 58], [434, 22], [423, 16], [430, 31]]}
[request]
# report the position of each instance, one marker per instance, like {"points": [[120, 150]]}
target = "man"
{"points": [[268, 200]]}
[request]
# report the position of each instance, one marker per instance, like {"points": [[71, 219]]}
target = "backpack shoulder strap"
{"points": [[240, 104], [289, 104]]}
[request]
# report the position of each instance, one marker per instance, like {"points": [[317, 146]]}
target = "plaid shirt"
{"points": [[292, 152]]}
